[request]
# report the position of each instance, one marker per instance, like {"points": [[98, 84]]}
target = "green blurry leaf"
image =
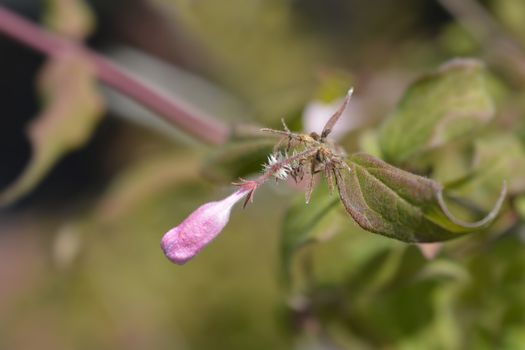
{"points": [[369, 143], [497, 157], [395, 203], [502, 156], [347, 254], [436, 109], [401, 307], [444, 331], [452, 163], [70, 18], [495, 311], [72, 109], [304, 224], [237, 159]]}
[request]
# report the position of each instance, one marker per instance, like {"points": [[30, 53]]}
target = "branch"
{"points": [[174, 111]]}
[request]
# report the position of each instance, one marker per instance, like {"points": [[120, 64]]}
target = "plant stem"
{"points": [[174, 111]]}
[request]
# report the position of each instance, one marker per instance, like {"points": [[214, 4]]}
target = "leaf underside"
{"points": [[397, 204]]}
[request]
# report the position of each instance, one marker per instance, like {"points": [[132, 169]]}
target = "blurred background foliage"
{"points": [[80, 263]]}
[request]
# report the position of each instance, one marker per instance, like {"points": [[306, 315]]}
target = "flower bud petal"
{"points": [[184, 241]]}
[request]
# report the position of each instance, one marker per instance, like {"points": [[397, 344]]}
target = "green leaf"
{"points": [[304, 224], [73, 108], [498, 157], [452, 163], [369, 143], [437, 109], [395, 203]]}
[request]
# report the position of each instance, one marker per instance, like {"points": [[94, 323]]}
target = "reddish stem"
{"points": [[174, 111]]}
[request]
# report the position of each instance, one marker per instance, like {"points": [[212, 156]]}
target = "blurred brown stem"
{"points": [[176, 112], [489, 33]]}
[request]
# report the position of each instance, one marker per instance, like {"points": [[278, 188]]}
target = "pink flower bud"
{"points": [[183, 242]]}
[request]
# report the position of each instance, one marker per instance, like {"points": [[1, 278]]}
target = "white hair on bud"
{"points": [[282, 171]]}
